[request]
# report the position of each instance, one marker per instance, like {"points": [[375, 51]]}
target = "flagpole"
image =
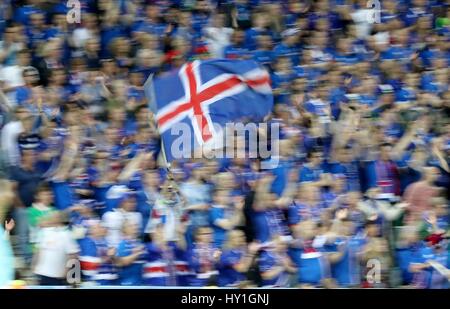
{"points": [[150, 92]]}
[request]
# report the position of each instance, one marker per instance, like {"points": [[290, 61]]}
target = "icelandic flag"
{"points": [[193, 104]]}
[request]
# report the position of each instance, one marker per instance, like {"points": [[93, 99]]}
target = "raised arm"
{"points": [[134, 165], [68, 158]]}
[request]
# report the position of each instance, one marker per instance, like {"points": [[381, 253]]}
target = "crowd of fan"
{"points": [[362, 182]]}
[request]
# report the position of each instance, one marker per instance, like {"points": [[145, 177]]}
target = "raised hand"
{"points": [[9, 225]]}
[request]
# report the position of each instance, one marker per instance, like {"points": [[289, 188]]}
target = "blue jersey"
{"points": [[264, 57], [201, 262], [298, 212], [64, 197], [430, 278], [310, 173], [165, 267], [351, 172], [130, 274], [235, 52], [261, 226], [216, 213], [228, 276], [312, 265], [267, 261], [94, 262], [347, 270], [281, 173], [404, 257], [288, 51]]}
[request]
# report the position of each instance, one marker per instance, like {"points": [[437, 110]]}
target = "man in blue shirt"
{"points": [[288, 47], [223, 216], [130, 255]]}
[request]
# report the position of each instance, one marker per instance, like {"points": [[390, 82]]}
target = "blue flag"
{"points": [[193, 103]]}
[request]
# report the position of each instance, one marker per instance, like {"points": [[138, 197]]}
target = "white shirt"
{"points": [[55, 243], [217, 39], [168, 214], [80, 36], [114, 221], [361, 18], [12, 76], [10, 146]]}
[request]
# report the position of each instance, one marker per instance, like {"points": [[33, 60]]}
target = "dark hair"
{"points": [[43, 187], [23, 51], [314, 150], [199, 228], [370, 223]]}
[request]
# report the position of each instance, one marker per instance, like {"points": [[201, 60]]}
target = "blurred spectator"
{"points": [[361, 177]]}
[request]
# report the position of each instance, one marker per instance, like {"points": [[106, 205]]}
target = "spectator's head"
{"points": [[237, 38], [44, 195], [120, 47], [225, 181], [152, 179], [58, 76], [128, 202], [148, 58], [37, 20], [203, 235], [305, 191], [440, 206], [108, 67], [152, 11], [372, 228], [11, 33], [97, 230], [142, 114], [221, 197], [55, 219], [290, 36], [218, 20], [136, 78], [430, 174], [353, 197], [264, 42], [21, 113], [348, 227], [130, 230], [59, 20], [92, 45], [306, 230], [185, 19], [202, 6], [315, 157], [235, 239], [283, 64], [30, 76], [23, 58], [385, 151], [259, 20], [344, 45], [345, 154], [322, 25], [52, 50]]}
